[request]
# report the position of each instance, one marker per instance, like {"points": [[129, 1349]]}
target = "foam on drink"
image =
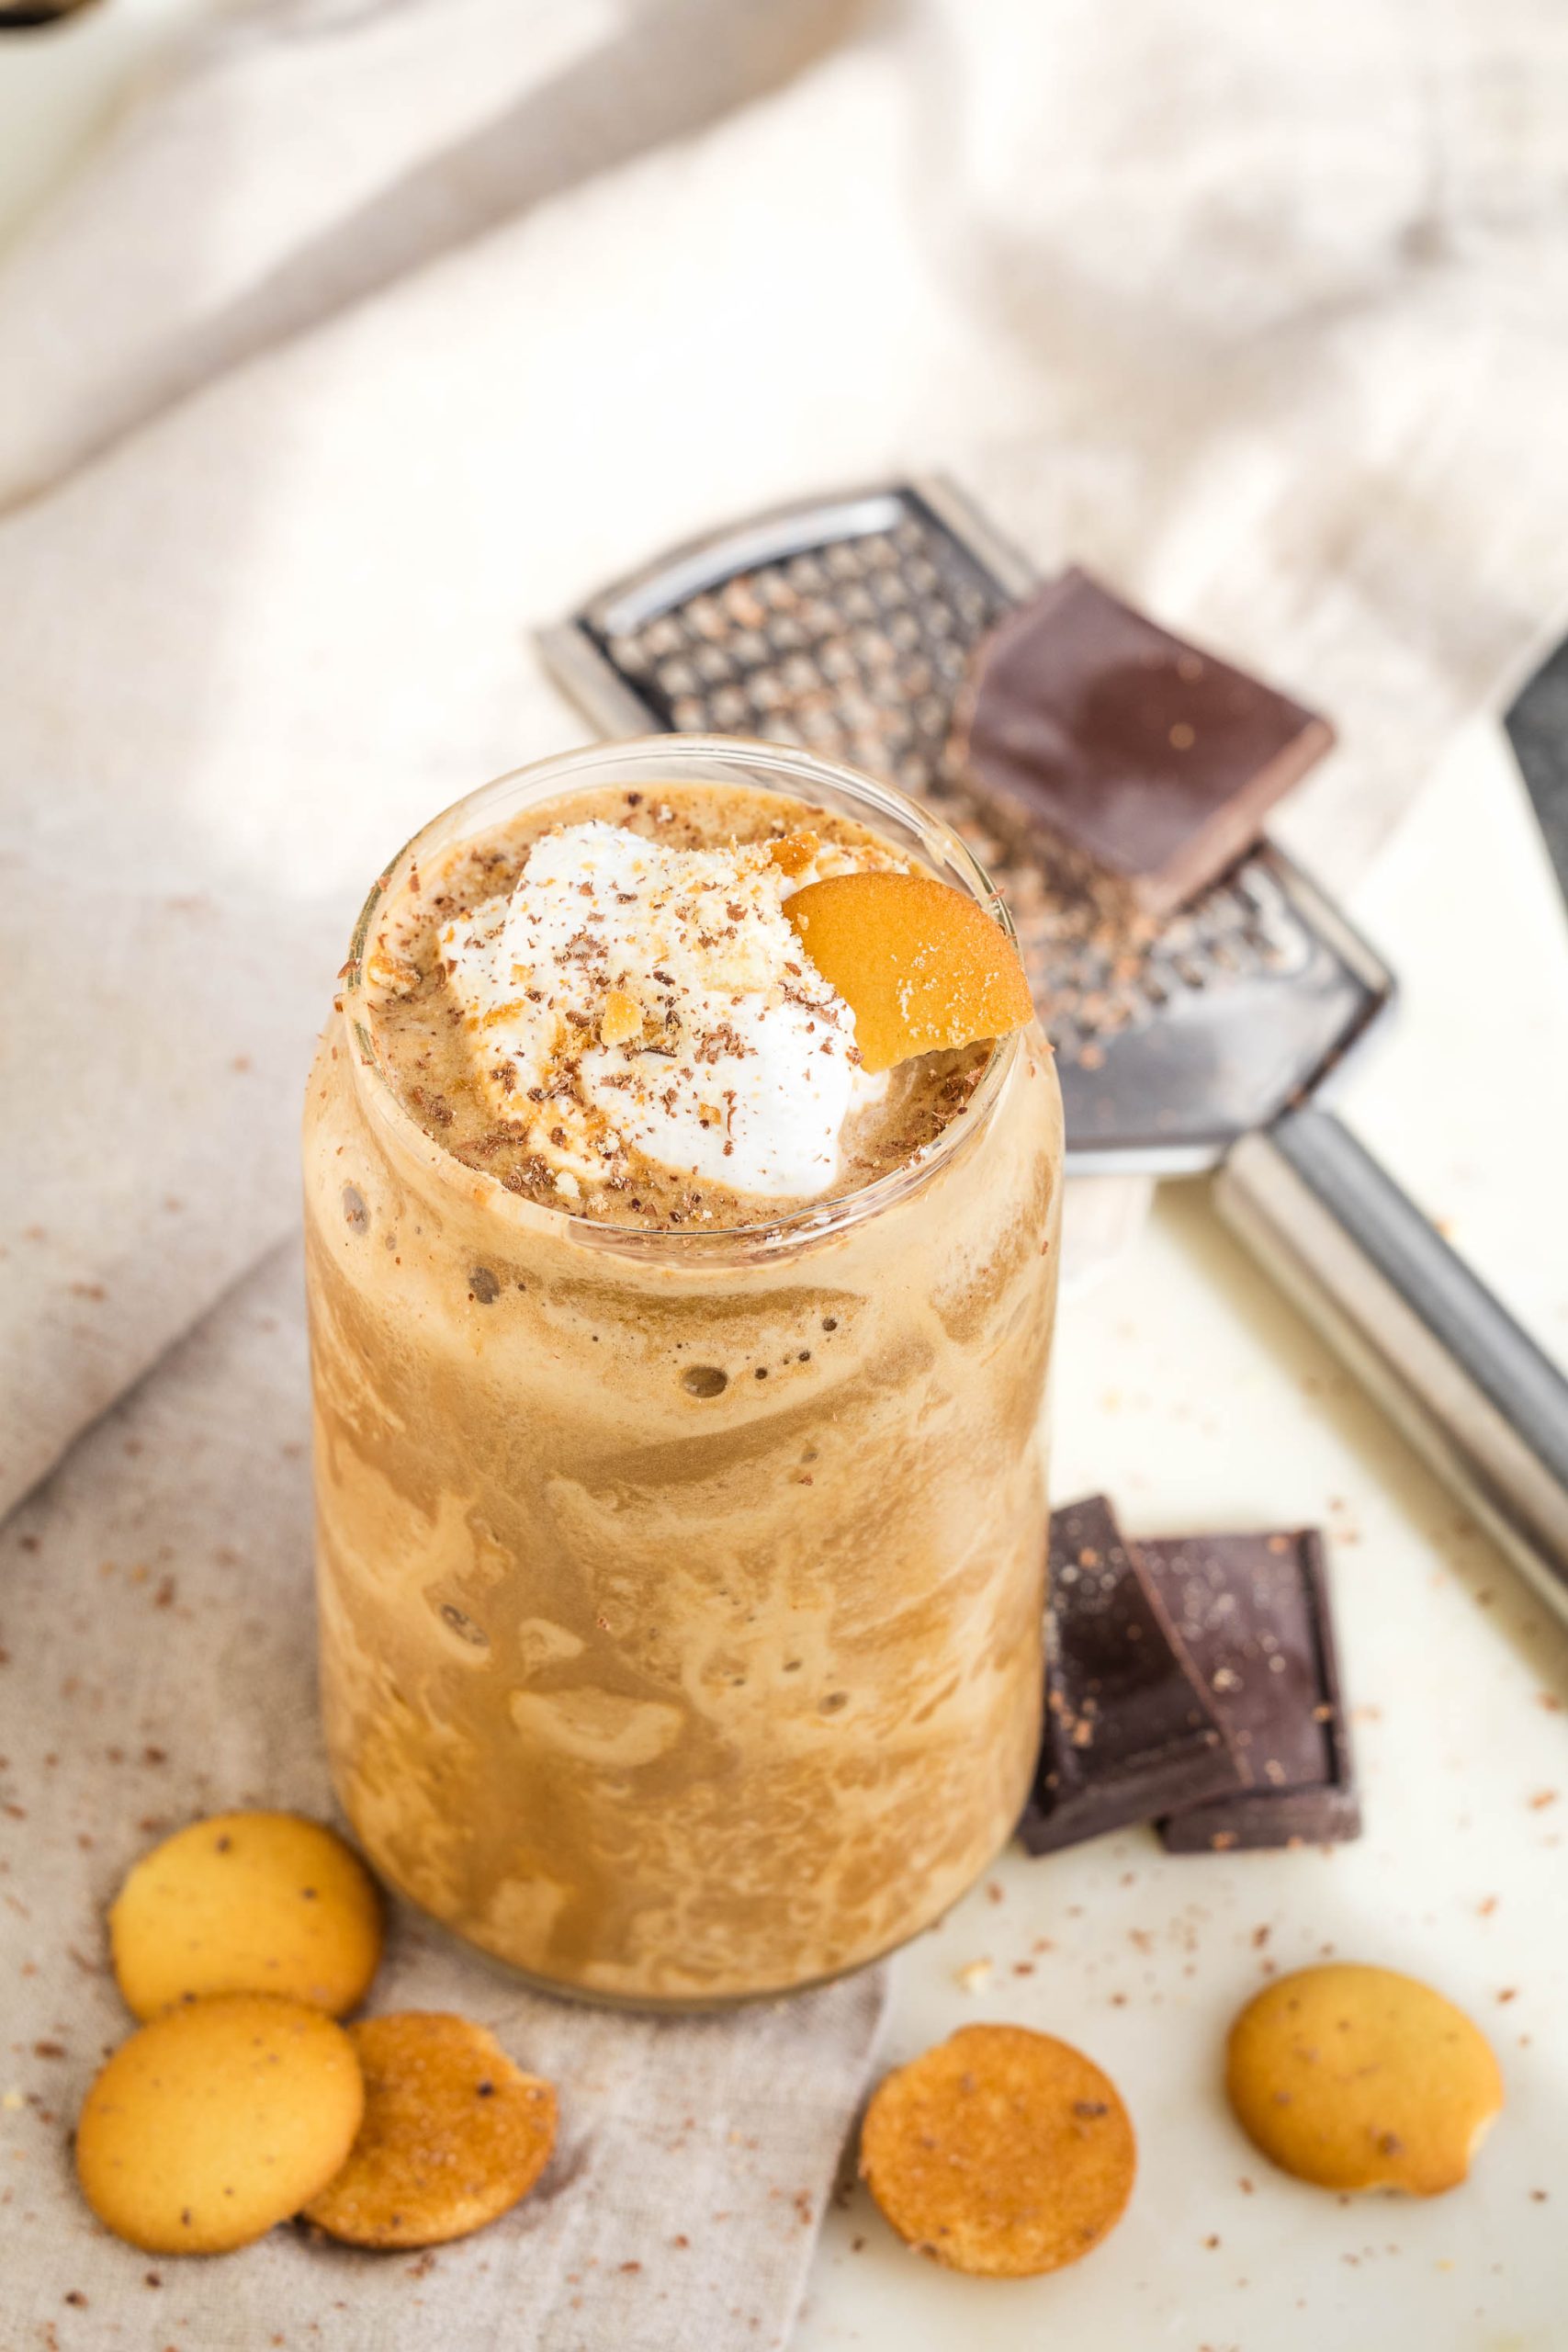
{"points": [[632, 995]]}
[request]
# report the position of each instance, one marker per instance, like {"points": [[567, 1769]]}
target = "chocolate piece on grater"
{"points": [[1143, 766], [1254, 1612], [1129, 1730]]}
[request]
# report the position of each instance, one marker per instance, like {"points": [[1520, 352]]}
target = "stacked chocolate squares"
{"points": [[1190, 1681]]}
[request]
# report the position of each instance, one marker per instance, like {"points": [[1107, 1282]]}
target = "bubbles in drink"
{"points": [[463, 1626]]}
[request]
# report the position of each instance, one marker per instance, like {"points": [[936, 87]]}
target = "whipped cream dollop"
{"points": [[626, 996]]}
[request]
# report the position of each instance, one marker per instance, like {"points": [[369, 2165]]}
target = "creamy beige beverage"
{"points": [[678, 1382]]}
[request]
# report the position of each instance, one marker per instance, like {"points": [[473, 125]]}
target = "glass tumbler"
{"points": [[681, 1591]]}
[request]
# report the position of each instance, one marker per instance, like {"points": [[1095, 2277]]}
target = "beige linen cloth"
{"points": [[372, 337], [159, 1625]]}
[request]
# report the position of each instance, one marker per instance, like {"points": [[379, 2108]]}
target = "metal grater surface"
{"points": [[844, 627], [855, 652]]}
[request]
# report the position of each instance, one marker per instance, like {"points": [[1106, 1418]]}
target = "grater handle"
{"points": [[1469, 1390]]}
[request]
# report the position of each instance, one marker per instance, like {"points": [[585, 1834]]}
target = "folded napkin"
{"points": [[159, 1625]]}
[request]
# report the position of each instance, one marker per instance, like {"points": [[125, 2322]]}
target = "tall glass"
{"points": [[681, 1591]]}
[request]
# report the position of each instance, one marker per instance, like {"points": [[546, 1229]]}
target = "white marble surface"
{"points": [[1197, 1399]]}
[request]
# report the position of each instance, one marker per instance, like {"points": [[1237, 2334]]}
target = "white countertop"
{"points": [[1196, 1397]]}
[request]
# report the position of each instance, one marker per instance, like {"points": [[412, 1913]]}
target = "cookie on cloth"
{"points": [[217, 2122], [1358, 2077], [247, 1903], [1001, 2151], [454, 2134]]}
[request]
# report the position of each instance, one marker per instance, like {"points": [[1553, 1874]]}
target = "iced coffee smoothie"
{"points": [[682, 1186]]}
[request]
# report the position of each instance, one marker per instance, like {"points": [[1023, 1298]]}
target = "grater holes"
{"points": [[869, 752], [875, 652], [662, 637], [742, 603]]}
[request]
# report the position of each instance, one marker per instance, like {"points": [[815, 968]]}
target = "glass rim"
{"points": [[759, 763]]}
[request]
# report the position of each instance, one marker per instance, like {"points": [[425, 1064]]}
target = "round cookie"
{"points": [[1358, 2077], [1001, 2151], [218, 2120], [453, 2133], [247, 1903]]}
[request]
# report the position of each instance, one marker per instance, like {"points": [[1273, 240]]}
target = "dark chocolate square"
{"points": [[1129, 1730], [1254, 1614], [1139, 762]]}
